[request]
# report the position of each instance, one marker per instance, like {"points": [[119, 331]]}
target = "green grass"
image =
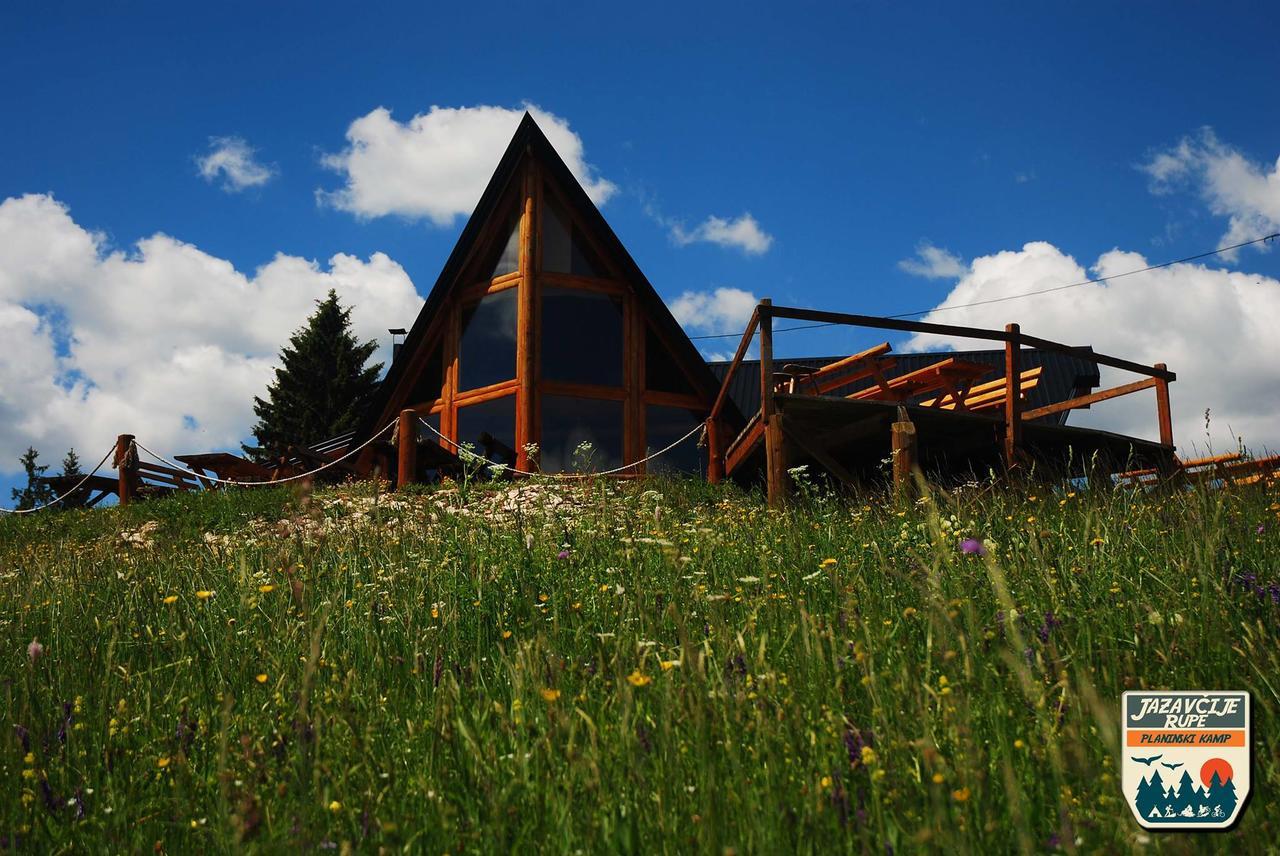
{"points": [[691, 676]]}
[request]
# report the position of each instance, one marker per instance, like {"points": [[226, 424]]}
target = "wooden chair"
{"points": [[951, 377], [987, 396]]}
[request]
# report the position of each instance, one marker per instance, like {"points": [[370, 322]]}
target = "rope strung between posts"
{"points": [[53, 502], [320, 468], [467, 452]]}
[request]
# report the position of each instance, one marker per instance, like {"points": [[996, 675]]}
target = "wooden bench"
{"points": [[805, 379], [951, 377], [225, 465], [989, 395]]}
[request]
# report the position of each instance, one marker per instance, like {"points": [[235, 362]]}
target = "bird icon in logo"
{"points": [[1170, 766], [1148, 761]]}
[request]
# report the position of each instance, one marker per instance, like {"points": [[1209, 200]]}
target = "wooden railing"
{"points": [[1157, 377]]}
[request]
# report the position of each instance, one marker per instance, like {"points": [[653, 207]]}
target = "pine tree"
{"points": [[36, 492], [321, 387], [71, 467]]}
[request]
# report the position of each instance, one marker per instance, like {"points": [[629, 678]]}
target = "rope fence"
{"points": [[462, 451]]}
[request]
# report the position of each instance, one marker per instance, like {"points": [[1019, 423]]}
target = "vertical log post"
{"points": [[407, 449], [715, 454], [774, 450], [1162, 407], [904, 455], [1012, 397], [526, 315], [126, 463]]}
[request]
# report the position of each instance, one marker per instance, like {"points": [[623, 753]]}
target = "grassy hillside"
{"points": [[655, 667]]}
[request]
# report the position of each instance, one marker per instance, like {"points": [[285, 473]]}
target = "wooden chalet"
{"points": [[542, 347], [542, 335]]}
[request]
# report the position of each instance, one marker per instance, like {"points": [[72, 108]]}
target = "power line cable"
{"points": [[1019, 296]]}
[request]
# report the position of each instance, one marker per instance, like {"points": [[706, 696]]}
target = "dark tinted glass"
{"points": [[581, 337], [568, 423], [508, 260], [487, 353], [661, 373], [427, 388], [664, 426], [490, 428], [564, 249]]}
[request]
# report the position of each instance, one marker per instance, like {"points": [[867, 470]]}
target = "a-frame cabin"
{"points": [[542, 335]]}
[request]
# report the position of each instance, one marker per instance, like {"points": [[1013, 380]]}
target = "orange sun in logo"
{"points": [[1216, 765]]}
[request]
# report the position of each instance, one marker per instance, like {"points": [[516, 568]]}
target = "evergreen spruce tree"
{"points": [[321, 387], [36, 492], [71, 467]]}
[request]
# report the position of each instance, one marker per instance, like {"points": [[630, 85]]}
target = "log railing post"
{"points": [[774, 448], [904, 455], [1162, 407], [1012, 397], [407, 449], [715, 453], [126, 464]]}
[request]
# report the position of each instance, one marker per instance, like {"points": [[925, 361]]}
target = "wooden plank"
{"points": [[486, 393], [742, 447], [1091, 398], [715, 454], [992, 390], [723, 395], [596, 285], [526, 341], [775, 451]]}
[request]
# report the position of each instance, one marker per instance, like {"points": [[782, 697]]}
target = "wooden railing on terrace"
{"points": [[951, 380]]}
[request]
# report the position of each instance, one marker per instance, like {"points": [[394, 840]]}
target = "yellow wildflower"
{"points": [[826, 563], [204, 594], [550, 695], [826, 782], [960, 795], [171, 598], [868, 755], [506, 634], [262, 678], [638, 678], [668, 665], [335, 806], [162, 763], [266, 588], [938, 778]]}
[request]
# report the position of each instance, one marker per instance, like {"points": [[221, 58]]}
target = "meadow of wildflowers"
{"points": [[614, 667]]}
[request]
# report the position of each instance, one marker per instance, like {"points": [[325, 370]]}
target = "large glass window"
{"points": [[664, 426], [564, 248], [581, 337], [487, 351], [426, 388], [580, 434], [508, 254], [661, 373], [490, 429]]}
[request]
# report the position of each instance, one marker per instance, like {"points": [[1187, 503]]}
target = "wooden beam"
{"points": [[1092, 398], [526, 341], [715, 452], [742, 447], [1012, 397], [814, 450], [775, 451], [407, 449], [878, 323]]}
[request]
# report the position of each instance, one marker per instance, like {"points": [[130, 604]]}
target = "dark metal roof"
{"points": [[1065, 376]]}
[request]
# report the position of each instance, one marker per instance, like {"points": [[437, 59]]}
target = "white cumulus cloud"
{"points": [[234, 161], [1214, 327], [934, 263], [436, 165], [720, 310], [1245, 192], [164, 341], [742, 233]]}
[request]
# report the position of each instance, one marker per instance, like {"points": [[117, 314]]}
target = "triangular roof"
{"points": [[530, 142]]}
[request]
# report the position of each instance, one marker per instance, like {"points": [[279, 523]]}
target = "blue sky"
{"points": [[850, 134]]}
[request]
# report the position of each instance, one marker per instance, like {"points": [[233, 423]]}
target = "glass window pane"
{"points": [[509, 253], [581, 337], [426, 388], [487, 352], [564, 249], [490, 429], [580, 434], [661, 373], [664, 426]]}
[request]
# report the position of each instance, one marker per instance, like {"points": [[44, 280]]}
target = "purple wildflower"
{"points": [[35, 651], [972, 547], [563, 554], [1050, 622]]}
